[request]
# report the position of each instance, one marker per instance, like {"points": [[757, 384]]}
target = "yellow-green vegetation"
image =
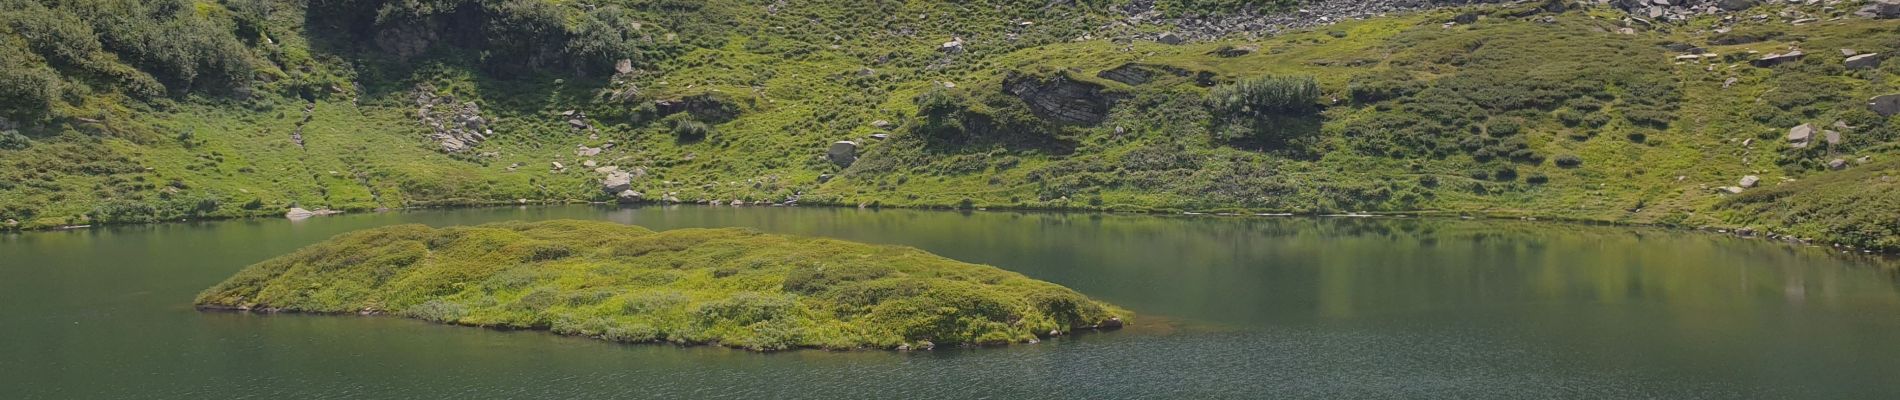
{"points": [[729, 287], [1519, 110]]}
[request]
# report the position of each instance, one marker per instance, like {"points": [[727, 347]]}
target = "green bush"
{"points": [[1265, 96]]}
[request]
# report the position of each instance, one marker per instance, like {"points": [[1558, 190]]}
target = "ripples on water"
{"points": [[1230, 308]]}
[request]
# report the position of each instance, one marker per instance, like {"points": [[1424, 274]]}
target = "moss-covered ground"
{"points": [[729, 287]]}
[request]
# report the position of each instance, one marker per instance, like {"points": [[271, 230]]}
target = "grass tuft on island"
{"points": [[729, 287]]}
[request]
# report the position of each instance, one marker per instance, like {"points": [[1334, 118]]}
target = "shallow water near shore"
{"points": [[1228, 308]]}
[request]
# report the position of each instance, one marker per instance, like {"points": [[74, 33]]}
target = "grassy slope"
{"points": [[796, 75], [730, 287]]}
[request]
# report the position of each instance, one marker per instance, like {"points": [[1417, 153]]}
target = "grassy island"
{"points": [[730, 287]]}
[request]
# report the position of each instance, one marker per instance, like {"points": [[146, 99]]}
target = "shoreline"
{"points": [[1737, 232], [1078, 331]]}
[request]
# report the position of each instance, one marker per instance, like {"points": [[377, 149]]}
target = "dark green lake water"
{"points": [[1229, 307]]}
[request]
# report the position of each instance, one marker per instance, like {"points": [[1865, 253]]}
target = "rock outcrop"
{"points": [[1880, 9], [1060, 98], [1773, 59], [708, 108], [1136, 74], [455, 126]]}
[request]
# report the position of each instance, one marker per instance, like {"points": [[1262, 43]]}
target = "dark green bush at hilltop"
{"points": [[729, 287], [127, 112]]}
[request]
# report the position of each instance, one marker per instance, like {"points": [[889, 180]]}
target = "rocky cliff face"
{"points": [[1060, 98]]}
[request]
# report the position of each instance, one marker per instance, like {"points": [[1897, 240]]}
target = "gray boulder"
{"points": [[1750, 181], [616, 182], [843, 153], [1886, 105], [1735, 5], [1880, 9], [1170, 38], [1799, 136], [1837, 164], [1833, 138], [628, 197], [1863, 61], [953, 46]]}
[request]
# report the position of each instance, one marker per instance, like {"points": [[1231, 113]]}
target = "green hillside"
{"points": [[124, 112]]}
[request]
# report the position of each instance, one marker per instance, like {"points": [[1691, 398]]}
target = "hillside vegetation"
{"points": [[1550, 109], [730, 287]]}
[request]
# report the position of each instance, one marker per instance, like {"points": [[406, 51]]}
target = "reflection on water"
{"points": [[1231, 307]]}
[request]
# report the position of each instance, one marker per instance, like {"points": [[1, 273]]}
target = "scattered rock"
{"points": [[1732, 189], [1886, 105], [843, 153], [624, 66], [1136, 74], [1833, 138], [1730, 82], [1465, 18], [1837, 164], [584, 151], [1848, 52], [880, 136], [589, 164], [1864, 61], [556, 165], [954, 46], [1773, 59], [1170, 38], [1750, 181], [1799, 136], [1236, 51], [881, 124]]}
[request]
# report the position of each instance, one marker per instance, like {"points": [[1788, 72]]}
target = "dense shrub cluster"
{"points": [[512, 36], [1270, 112], [1265, 95], [143, 48]]}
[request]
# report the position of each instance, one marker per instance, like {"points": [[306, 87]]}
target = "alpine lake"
{"points": [[1228, 307]]}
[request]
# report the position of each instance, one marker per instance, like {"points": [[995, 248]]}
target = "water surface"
{"points": [[1229, 308]]}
